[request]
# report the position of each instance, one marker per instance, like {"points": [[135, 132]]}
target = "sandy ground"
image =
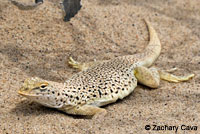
{"points": [[38, 43]]}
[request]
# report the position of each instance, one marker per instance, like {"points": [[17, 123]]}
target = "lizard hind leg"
{"points": [[151, 77], [148, 77]]}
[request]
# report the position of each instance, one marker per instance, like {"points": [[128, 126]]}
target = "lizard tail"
{"points": [[152, 51]]}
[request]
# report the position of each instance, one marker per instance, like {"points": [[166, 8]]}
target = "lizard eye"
{"points": [[43, 86]]}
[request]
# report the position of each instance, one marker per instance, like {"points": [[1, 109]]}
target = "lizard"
{"points": [[100, 83]]}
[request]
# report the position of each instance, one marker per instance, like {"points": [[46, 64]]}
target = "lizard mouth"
{"points": [[25, 92], [22, 93]]}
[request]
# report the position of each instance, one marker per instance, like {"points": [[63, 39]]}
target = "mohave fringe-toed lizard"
{"points": [[102, 82]]}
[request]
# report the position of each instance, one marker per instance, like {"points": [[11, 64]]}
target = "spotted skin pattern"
{"points": [[116, 81], [100, 83]]}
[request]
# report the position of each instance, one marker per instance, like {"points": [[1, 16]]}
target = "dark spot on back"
{"points": [[99, 93]]}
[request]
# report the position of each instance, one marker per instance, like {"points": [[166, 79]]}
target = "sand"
{"points": [[38, 43]]}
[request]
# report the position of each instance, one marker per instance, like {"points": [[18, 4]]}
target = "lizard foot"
{"points": [[100, 115], [173, 78], [73, 63]]}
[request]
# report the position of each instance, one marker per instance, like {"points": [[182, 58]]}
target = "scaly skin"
{"points": [[100, 83]]}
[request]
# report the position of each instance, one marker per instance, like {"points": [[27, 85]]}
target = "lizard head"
{"points": [[40, 91]]}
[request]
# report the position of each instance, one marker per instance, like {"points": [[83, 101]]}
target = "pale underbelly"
{"points": [[113, 97]]}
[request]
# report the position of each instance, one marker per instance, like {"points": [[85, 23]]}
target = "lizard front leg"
{"points": [[87, 110]]}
